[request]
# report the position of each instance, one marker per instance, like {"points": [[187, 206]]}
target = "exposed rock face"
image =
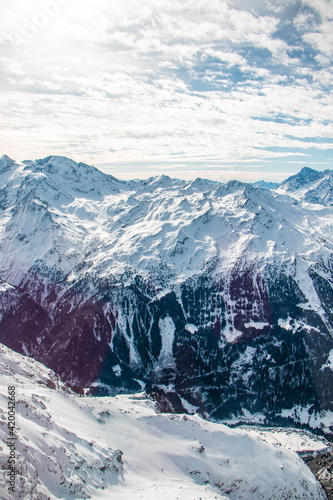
{"points": [[216, 297], [322, 468]]}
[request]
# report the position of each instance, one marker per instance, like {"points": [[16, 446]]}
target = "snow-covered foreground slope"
{"points": [[218, 297], [120, 448]]}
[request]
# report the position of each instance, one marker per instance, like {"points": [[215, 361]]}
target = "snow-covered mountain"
{"points": [[311, 186], [265, 184], [217, 298], [67, 446]]}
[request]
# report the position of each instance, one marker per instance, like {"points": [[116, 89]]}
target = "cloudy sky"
{"points": [[213, 88]]}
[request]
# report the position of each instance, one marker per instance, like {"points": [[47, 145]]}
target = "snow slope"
{"points": [[121, 448]]}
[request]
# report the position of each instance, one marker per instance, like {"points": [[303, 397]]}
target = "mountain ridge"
{"points": [[106, 274]]}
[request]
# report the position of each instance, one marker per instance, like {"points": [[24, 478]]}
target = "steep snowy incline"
{"points": [[83, 447]]}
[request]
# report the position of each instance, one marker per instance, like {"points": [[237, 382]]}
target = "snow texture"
{"points": [[102, 448]]}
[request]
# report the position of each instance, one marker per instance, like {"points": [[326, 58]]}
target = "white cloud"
{"points": [[323, 7], [131, 81], [318, 33]]}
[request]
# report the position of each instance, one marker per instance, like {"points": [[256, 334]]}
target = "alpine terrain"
{"points": [[67, 446], [214, 298]]}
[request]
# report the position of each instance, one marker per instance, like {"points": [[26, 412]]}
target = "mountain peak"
{"points": [[68, 168], [305, 176], [70, 179], [6, 163], [309, 174], [55, 164], [306, 171], [265, 185], [200, 184], [311, 186], [161, 179]]}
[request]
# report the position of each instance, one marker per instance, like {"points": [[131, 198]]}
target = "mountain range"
{"points": [[214, 298]]}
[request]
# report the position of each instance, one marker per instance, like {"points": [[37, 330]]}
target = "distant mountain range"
{"points": [[266, 185], [216, 298]]}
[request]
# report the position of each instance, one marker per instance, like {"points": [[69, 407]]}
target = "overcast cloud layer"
{"points": [[217, 89]]}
